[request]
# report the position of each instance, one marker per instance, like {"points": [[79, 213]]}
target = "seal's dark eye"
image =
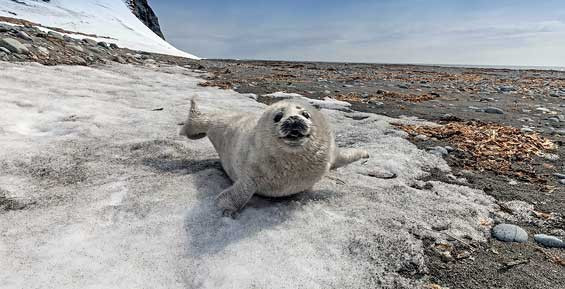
{"points": [[306, 114], [278, 116]]}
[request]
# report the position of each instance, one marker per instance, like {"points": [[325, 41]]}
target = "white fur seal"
{"points": [[284, 151]]}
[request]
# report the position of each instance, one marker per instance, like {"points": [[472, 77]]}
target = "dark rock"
{"points": [[143, 12], [114, 46], [4, 28], [103, 44], [5, 50], [506, 88], [509, 233], [549, 241], [493, 110]]}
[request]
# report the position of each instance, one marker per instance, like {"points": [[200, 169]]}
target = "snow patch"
{"points": [[124, 202]]}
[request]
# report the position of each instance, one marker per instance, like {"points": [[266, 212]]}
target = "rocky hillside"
{"points": [[143, 11]]}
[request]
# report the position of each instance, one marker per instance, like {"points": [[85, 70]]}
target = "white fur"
{"points": [[259, 161]]}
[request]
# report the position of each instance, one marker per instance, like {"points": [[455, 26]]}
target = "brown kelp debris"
{"points": [[489, 146]]}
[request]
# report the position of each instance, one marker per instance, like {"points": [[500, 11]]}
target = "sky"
{"points": [[481, 32]]}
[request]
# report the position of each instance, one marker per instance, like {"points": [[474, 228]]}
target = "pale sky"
{"points": [[530, 33]]}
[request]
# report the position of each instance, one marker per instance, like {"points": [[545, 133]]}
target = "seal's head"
{"points": [[293, 124]]}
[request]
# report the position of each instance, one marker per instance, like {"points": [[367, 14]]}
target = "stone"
{"points": [[439, 151], [509, 233], [494, 110], [89, 41], [543, 109], [13, 45], [421, 137], [114, 46], [56, 35], [403, 86], [559, 176], [103, 44], [4, 28], [526, 130], [506, 88], [43, 50], [549, 241], [23, 35], [5, 50], [119, 59], [561, 182], [68, 39], [76, 48]]}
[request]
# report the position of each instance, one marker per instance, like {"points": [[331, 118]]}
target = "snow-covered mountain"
{"points": [[104, 18]]}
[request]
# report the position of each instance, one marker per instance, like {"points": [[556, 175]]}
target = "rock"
{"points": [[79, 60], [24, 36], [421, 137], [119, 59], [43, 50], [543, 109], [76, 48], [559, 176], [403, 86], [561, 182], [56, 35], [494, 110], [89, 41], [549, 241], [103, 44], [449, 148], [5, 50], [553, 119], [526, 129], [439, 151], [506, 88], [559, 131], [13, 45], [114, 46], [509, 233], [4, 28]]}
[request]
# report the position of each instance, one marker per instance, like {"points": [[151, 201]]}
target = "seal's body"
{"points": [[284, 151]]}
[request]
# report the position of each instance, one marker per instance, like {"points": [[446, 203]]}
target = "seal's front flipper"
{"points": [[234, 198], [344, 157], [197, 123]]}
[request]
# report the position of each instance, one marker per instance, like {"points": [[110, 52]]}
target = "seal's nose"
{"points": [[293, 123]]}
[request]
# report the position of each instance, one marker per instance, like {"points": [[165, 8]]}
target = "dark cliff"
{"points": [[143, 11]]}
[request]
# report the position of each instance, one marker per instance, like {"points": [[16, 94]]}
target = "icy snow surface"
{"points": [[111, 18], [116, 199]]}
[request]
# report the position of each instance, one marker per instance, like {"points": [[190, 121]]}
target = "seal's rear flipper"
{"points": [[197, 124], [344, 157]]}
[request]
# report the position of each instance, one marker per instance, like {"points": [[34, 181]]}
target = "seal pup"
{"points": [[283, 151]]}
